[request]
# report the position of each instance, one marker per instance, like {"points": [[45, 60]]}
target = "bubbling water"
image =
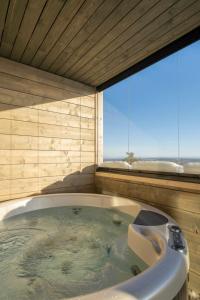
{"points": [[58, 253]]}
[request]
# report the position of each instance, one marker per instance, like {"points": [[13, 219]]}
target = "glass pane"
{"points": [[189, 107], [154, 116], [115, 124]]}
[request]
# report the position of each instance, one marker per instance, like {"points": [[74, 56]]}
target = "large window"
{"points": [[152, 119]]}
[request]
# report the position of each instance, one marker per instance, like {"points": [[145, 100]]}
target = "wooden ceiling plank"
{"points": [[122, 17], [158, 42], [180, 31], [130, 56], [82, 16], [122, 10], [52, 10], [136, 23], [90, 27], [14, 17], [166, 20], [185, 39], [28, 24], [91, 41], [3, 9], [123, 21]]}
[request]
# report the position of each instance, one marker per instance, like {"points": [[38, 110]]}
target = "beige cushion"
{"points": [[163, 166], [116, 164], [192, 168]]}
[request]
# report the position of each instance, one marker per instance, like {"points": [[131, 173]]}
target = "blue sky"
{"points": [[158, 108]]}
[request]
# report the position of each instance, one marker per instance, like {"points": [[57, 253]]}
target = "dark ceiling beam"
{"points": [[176, 45]]}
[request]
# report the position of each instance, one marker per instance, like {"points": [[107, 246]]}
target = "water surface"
{"points": [[64, 252]]}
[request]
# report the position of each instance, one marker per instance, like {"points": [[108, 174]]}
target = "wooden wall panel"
{"points": [[182, 203], [47, 132]]}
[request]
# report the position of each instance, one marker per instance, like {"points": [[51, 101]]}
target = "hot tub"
{"points": [[153, 236]]}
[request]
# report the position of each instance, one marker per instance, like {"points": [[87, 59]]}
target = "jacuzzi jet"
{"points": [[116, 220], [108, 250], [66, 267], [76, 210], [73, 239], [135, 270], [94, 245]]}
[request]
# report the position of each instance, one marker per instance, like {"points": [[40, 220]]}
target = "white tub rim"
{"points": [[132, 288]]}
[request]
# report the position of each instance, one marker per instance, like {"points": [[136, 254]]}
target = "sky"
{"points": [[156, 112]]}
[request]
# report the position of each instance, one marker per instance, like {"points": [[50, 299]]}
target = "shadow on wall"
{"points": [[78, 181], [74, 182], [10, 99], [44, 122], [27, 86], [70, 184]]}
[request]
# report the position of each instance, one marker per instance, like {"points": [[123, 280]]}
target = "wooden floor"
{"points": [[181, 201], [91, 41]]}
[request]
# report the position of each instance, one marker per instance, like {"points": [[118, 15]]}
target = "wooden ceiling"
{"points": [[91, 41]]}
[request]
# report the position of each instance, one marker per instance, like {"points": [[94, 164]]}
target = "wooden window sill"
{"points": [[159, 182]]}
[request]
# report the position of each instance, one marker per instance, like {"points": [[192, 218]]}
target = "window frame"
{"points": [[173, 47], [184, 177]]}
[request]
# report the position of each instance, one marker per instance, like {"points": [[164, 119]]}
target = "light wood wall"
{"points": [[47, 133], [181, 200]]}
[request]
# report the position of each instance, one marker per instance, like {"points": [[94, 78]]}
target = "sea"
{"points": [[183, 160]]}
